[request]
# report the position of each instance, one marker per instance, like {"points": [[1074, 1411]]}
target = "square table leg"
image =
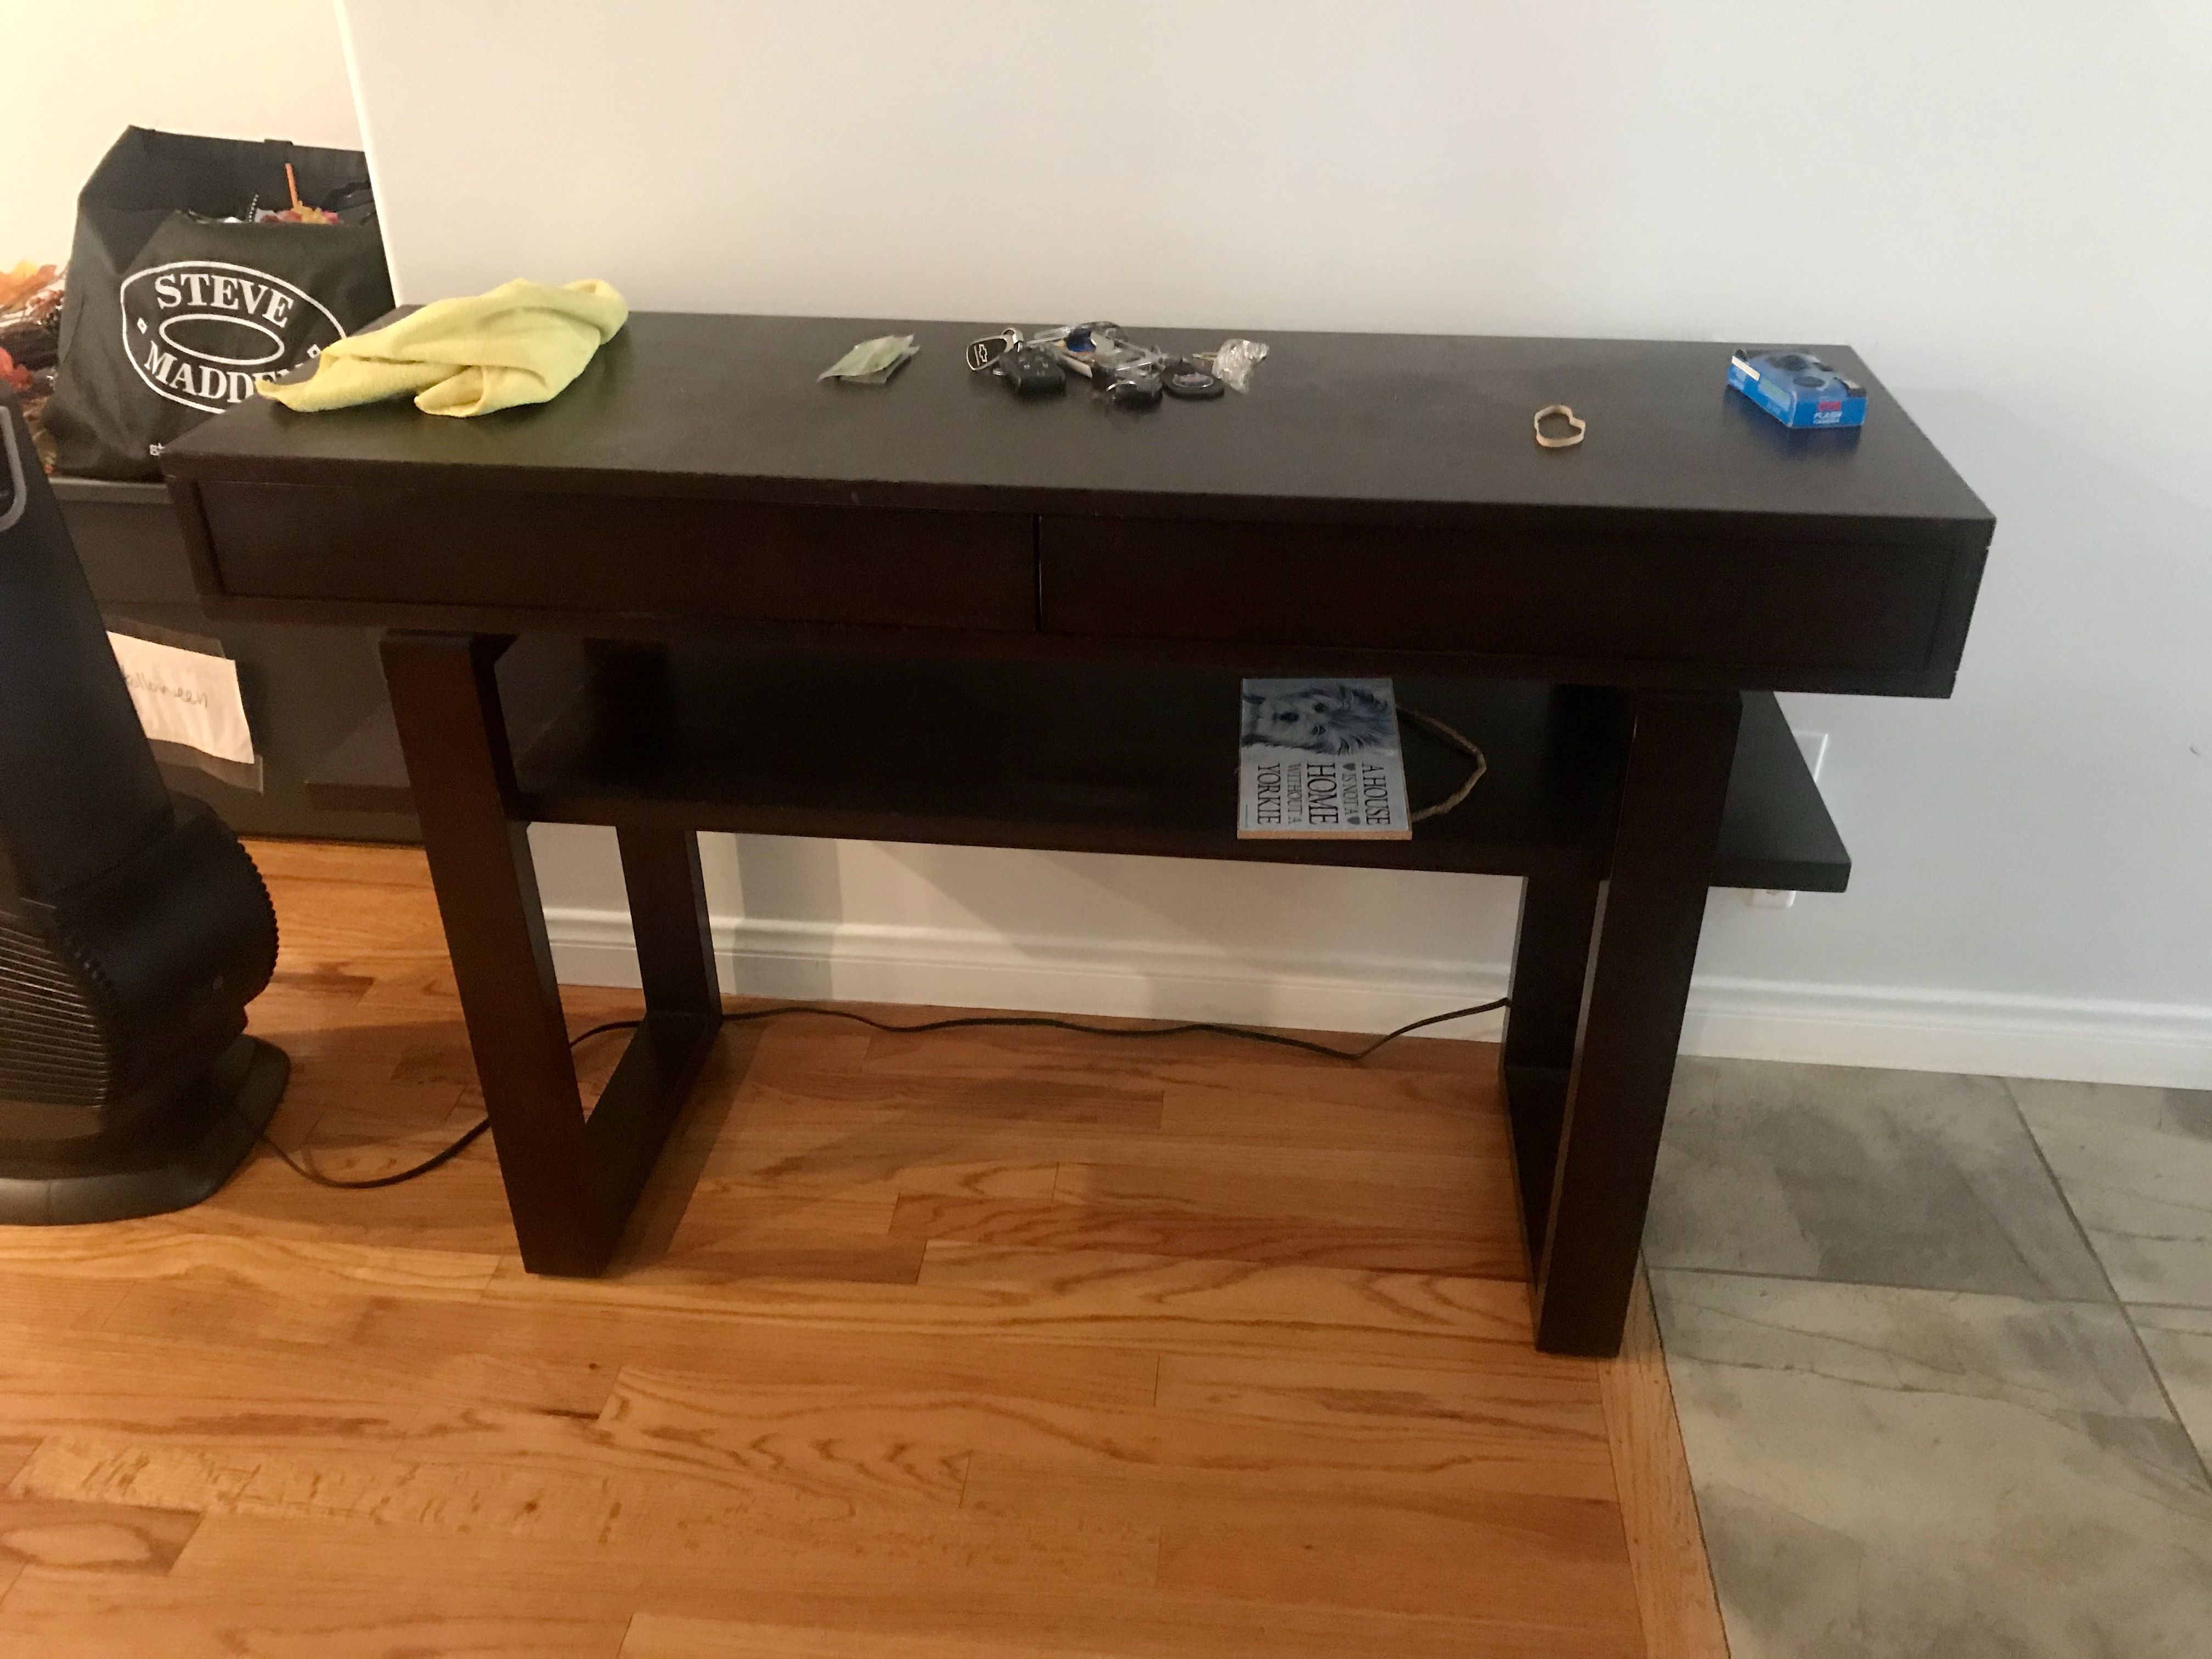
{"points": [[571, 1181], [669, 919], [1551, 960], [1587, 1143], [683, 1013]]}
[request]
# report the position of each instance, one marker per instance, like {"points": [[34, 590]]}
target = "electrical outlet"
{"points": [[1814, 746]]}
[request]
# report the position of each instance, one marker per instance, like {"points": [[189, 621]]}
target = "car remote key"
{"points": [[986, 352], [1032, 372]]}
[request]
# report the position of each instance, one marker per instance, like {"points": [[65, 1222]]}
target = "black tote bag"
{"points": [[178, 298]]}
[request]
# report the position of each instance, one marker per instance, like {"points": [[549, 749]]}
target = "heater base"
{"points": [[172, 1162]]}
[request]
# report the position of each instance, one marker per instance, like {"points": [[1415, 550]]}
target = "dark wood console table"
{"points": [[932, 612]]}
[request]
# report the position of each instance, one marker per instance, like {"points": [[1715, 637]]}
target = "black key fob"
{"points": [[1032, 372]]}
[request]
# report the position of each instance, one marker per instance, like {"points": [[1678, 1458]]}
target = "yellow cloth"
{"points": [[520, 343]]}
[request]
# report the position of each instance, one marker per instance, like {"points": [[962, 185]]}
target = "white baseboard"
{"points": [[1910, 1030], [1916, 1029]]}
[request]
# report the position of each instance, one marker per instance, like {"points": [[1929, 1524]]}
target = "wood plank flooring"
{"points": [[996, 1345]]}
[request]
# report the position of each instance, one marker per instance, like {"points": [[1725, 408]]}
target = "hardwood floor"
{"points": [[999, 1345]]}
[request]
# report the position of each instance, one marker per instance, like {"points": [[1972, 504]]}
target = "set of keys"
{"points": [[1136, 376]]}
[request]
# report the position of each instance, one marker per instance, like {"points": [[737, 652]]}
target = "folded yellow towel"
{"points": [[520, 343]]}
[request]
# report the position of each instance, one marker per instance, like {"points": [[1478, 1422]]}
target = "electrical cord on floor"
{"points": [[436, 1160], [957, 1022]]}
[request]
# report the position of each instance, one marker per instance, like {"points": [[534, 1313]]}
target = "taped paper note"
{"points": [[185, 697]]}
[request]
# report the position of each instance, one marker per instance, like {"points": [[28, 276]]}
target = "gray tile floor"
{"points": [[1942, 1347]]}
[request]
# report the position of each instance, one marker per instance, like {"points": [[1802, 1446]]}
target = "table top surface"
{"points": [[1398, 428]]}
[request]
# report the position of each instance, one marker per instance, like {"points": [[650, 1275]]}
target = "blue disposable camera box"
{"points": [[1797, 388]]}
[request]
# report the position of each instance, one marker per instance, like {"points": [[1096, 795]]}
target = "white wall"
{"points": [[2005, 211], [79, 71]]}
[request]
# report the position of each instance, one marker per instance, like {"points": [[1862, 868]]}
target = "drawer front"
{"points": [[677, 557], [1816, 606]]}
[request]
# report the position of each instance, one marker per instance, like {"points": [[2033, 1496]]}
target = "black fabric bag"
{"points": [[178, 299]]}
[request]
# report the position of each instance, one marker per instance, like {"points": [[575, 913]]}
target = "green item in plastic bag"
{"points": [[871, 362]]}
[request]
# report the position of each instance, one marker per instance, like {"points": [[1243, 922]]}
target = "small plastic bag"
{"points": [[1235, 362], [871, 362]]}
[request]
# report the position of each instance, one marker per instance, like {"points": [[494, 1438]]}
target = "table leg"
{"points": [[1648, 912], [669, 917], [684, 1011], [1550, 959], [570, 1183]]}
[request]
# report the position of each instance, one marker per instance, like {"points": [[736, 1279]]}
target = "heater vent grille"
{"points": [[58, 1043]]}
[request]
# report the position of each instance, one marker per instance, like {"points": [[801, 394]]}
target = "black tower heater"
{"points": [[134, 929]]}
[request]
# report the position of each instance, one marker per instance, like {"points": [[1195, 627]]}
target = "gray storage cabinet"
{"points": [[306, 689]]}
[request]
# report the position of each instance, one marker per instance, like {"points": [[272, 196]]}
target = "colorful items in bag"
{"points": [[299, 213], [22, 281], [30, 343], [520, 343]]}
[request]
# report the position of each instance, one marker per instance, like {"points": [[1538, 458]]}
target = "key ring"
{"points": [[1581, 427], [986, 352]]}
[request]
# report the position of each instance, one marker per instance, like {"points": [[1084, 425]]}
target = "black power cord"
{"points": [[958, 1023]]}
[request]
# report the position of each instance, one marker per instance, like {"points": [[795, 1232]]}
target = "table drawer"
{"points": [[677, 556], [1820, 606]]}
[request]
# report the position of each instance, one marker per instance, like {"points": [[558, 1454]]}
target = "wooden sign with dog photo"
{"points": [[1319, 759]]}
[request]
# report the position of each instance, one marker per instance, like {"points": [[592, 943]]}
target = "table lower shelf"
{"points": [[1060, 756]]}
